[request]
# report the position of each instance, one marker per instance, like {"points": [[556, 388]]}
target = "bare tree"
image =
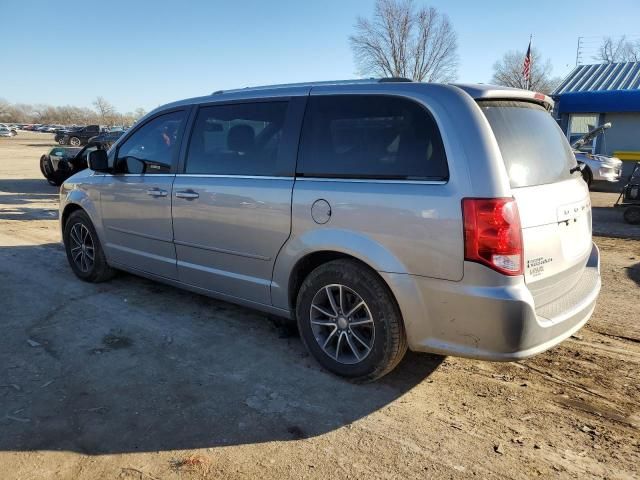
{"points": [[620, 50], [105, 109], [65, 115], [508, 72], [402, 41]]}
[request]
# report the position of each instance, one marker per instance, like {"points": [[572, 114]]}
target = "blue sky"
{"points": [[143, 54]]}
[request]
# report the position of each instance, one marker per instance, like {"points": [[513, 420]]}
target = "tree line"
{"points": [[103, 113]]}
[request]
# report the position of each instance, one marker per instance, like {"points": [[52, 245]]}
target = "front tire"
{"points": [[349, 321], [84, 252], [587, 176], [75, 142]]}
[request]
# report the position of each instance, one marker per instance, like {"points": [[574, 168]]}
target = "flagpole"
{"points": [[530, 64]]}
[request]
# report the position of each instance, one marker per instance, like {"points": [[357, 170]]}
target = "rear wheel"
{"points": [[632, 215], [84, 252], [349, 321]]}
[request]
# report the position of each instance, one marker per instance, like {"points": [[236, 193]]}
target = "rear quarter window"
{"points": [[370, 137], [533, 147]]}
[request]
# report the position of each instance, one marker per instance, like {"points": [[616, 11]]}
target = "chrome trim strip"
{"points": [[138, 234], [222, 250], [372, 180], [250, 177], [223, 273]]}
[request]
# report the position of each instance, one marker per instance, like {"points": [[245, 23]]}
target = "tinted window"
{"points": [[366, 136], [239, 139], [153, 147], [534, 149]]}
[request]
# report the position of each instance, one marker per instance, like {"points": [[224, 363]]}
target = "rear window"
{"points": [[534, 149], [370, 137]]}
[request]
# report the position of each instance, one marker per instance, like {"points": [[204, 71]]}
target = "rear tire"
{"points": [[632, 215], [361, 343], [84, 251]]}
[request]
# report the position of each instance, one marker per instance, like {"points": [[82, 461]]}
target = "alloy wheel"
{"points": [[82, 248], [342, 324]]}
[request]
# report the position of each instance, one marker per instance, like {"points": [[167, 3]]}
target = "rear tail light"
{"points": [[492, 234]]}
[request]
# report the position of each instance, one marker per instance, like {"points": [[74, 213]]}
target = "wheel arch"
{"points": [[305, 265]]}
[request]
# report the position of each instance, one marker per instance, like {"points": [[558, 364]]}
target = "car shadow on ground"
{"points": [[28, 199], [132, 365], [609, 222]]}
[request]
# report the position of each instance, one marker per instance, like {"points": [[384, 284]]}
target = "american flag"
{"points": [[526, 66]]}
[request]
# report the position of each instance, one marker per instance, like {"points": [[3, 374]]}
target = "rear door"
{"points": [[232, 199], [554, 204]]}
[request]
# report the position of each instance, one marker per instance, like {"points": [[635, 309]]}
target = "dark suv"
{"points": [[78, 136]]}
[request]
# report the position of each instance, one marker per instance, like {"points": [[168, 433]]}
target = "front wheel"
{"points": [[587, 176], [75, 141], [84, 252], [349, 321]]}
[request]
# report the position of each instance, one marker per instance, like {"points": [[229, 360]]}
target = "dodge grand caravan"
{"points": [[380, 215]]}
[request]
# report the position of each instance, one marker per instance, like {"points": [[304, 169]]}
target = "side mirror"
{"points": [[98, 161]]}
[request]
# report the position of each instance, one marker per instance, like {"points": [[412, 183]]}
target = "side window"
{"points": [[153, 147], [238, 139], [371, 137]]}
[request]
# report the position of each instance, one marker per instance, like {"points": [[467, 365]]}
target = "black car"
{"points": [[62, 162], [77, 136], [108, 138]]}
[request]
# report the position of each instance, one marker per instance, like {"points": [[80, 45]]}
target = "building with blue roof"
{"points": [[592, 95]]}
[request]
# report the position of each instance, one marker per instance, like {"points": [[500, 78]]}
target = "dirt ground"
{"points": [[135, 380]]}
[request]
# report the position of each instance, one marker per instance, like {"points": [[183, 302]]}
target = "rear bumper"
{"points": [[499, 323]]}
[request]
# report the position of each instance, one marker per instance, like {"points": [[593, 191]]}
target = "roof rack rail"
{"points": [[315, 84]]}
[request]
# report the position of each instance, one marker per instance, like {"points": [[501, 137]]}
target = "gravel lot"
{"points": [[135, 380]]}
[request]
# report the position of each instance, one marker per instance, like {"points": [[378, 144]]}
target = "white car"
{"points": [[12, 130], [5, 132], [596, 168]]}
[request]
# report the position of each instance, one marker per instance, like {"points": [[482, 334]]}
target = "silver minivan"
{"points": [[379, 215]]}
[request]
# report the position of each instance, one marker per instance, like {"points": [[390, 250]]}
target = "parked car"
{"points": [[77, 136], [13, 131], [596, 168], [379, 215], [107, 138], [61, 162], [6, 132]]}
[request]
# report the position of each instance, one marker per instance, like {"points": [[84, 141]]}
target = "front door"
{"points": [[232, 204], [136, 199]]}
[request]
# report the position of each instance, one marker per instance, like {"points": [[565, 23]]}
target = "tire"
{"points": [[632, 215], [587, 176], [76, 230], [44, 163], [53, 178], [62, 141], [375, 329], [75, 142]]}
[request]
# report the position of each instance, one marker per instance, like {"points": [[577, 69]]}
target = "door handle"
{"points": [[156, 192], [187, 194]]}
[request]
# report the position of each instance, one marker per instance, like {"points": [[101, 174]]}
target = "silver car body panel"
{"points": [[242, 238]]}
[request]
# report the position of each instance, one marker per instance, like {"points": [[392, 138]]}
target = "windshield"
{"points": [[534, 149]]}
